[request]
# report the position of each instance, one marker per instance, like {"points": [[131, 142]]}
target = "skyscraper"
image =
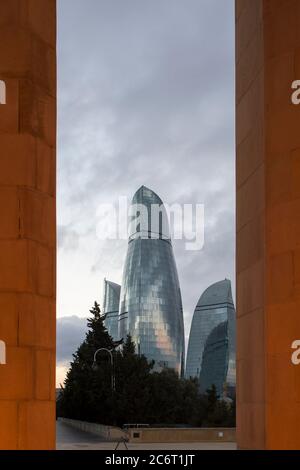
{"points": [[150, 303], [217, 367], [211, 349], [111, 301]]}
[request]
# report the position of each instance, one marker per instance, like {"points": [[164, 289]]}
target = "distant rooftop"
{"points": [[146, 196], [217, 293], [149, 221], [113, 285]]}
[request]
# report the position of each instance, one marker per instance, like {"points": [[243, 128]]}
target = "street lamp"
{"points": [[95, 366]]}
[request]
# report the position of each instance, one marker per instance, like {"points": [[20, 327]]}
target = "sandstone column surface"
{"points": [[268, 223], [28, 223]]}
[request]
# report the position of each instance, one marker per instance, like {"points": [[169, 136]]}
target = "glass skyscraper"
{"points": [[217, 367], [111, 302], [211, 349], [150, 303]]}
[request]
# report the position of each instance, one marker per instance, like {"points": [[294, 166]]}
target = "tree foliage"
{"points": [[141, 395]]}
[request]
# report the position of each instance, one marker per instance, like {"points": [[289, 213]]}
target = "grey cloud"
{"points": [[146, 93], [70, 334], [112, 255], [67, 238]]}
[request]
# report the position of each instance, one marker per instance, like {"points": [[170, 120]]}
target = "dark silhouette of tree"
{"points": [[141, 395], [218, 411], [87, 392], [212, 398], [133, 387]]}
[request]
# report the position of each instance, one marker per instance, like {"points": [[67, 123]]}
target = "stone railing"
{"points": [[182, 434], [110, 433], [148, 434]]}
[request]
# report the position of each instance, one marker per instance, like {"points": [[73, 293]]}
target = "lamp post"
{"points": [[109, 351]]}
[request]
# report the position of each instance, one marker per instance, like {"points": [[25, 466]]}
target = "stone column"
{"points": [[28, 223], [268, 223]]}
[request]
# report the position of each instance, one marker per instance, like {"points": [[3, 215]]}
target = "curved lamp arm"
{"points": [[109, 351], [106, 350]]}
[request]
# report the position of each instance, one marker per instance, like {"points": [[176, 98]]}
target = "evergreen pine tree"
{"points": [[132, 385], [141, 395], [212, 398], [87, 393]]}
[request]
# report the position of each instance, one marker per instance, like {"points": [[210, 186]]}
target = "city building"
{"points": [[217, 366], [150, 303], [211, 349], [110, 308]]}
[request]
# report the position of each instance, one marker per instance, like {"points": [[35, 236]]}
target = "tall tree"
{"points": [[141, 394], [133, 392], [87, 392]]}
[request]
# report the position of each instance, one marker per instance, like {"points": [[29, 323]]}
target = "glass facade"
{"points": [[211, 349], [215, 360], [110, 307], [150, 304]]}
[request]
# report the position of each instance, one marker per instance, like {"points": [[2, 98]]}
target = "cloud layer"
{"points": [[146, 96]]}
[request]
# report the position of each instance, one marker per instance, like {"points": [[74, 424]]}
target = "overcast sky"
{"points": [[146, 96]]}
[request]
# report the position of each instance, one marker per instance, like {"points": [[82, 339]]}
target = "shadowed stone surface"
{"points": [[28, 223], [268, 223], [71, 439]]}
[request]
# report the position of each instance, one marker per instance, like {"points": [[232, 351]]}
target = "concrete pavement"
{"points": [[68, 438]]}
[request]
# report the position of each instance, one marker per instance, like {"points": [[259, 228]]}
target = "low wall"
{"points": [[182, 434], [110, 433]]}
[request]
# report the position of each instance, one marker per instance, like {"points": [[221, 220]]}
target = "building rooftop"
{"points": [[217, 293]]}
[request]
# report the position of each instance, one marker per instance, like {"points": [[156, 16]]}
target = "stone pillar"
{"points": [[268, 223], [28, 223]]}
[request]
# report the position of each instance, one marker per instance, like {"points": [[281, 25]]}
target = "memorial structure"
{"points": [[28, 223]]}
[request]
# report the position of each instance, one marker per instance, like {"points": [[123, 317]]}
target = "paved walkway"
{"points": [[72, 439]]}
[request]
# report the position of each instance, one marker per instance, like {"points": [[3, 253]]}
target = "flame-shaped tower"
{"points": [[150, 302]]}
